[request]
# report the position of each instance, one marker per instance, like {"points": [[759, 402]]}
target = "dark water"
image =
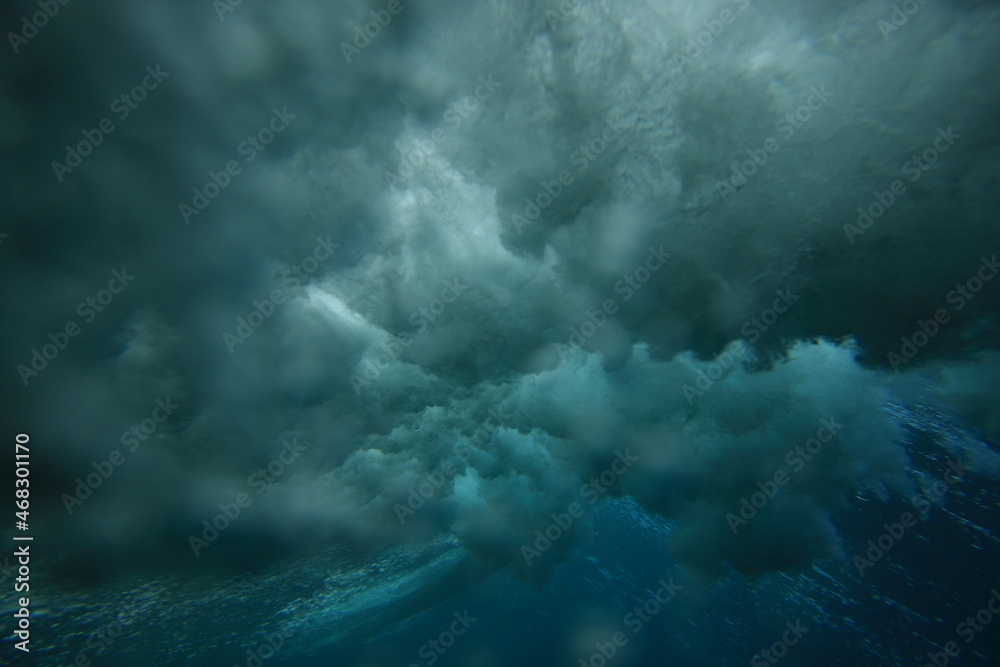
{"points": [[902, 611], [500, 332]]}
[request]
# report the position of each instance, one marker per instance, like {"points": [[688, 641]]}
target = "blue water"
{"points": [[489, 333], [902, 611]]}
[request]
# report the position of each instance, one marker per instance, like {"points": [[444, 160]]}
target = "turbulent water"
{"points": [[523, 332]]}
